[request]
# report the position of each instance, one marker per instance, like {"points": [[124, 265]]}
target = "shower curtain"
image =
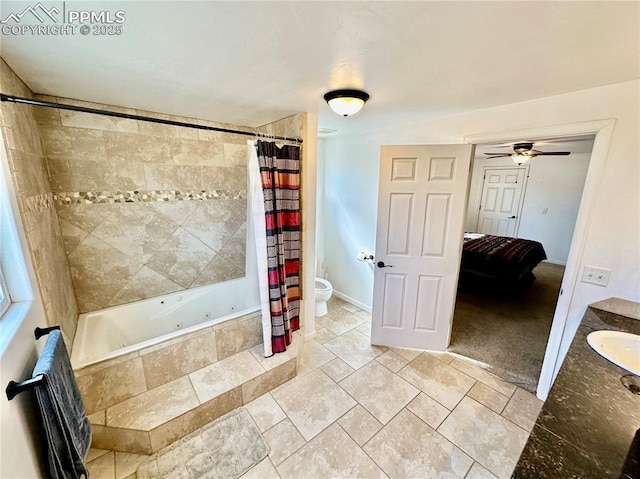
{"points": [[274, 183]]}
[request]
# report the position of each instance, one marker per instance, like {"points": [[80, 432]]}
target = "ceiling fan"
{"points": [[523, 152]]}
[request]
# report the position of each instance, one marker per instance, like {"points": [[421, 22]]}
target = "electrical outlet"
{"points": [[593, 275]]}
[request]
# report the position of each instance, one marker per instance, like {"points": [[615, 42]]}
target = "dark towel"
{"points": [[67, 428], [631, 468]]}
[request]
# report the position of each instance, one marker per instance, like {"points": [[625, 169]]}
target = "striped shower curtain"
{"points": [[274, 177]]}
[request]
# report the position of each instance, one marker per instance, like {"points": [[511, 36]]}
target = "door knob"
{"points": [[381, 264], [512, 217]]}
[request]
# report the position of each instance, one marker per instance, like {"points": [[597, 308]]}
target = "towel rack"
{"points": [[14, 388]]}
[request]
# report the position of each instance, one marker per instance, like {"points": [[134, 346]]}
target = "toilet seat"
{"points": [[322, 285], [323, 292]]}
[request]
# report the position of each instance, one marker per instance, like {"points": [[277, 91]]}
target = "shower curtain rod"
{"points": [[62, 106]]}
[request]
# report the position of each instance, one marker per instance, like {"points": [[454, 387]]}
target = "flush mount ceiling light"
{"points": [[346, 102]]}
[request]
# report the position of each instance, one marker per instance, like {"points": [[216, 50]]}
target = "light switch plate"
{"points": [[595, 275]]}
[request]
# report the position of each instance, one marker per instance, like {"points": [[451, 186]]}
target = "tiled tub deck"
{"points": [[145, 400]]}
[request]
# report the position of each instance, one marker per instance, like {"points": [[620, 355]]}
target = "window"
{"points": [[5, 299]]}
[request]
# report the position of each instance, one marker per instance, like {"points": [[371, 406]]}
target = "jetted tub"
{"points": [[119, 330]]}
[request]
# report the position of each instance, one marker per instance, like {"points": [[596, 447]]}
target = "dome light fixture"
{"points": [[346, 102], [521, 158]]}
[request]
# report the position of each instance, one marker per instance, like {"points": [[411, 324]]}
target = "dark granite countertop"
{"points": [[588, 422]]}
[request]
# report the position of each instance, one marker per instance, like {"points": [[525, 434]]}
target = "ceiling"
{"points": [[250, 63]]}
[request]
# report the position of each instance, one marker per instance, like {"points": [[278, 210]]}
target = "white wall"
{"points": [[613, 237], [21, 452], [351, 196], [320, 204], [554, 183]]}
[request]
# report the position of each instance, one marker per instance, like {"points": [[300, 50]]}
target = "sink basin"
{"points": [[622, 349]]}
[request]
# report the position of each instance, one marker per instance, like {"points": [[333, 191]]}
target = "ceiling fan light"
{"points": [[520, 159], [346, 102]]}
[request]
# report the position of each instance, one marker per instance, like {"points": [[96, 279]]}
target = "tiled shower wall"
{"points": [[31, 182], [145, 209]]}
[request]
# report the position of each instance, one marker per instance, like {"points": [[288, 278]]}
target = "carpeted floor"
{"points": [[509, 336]]}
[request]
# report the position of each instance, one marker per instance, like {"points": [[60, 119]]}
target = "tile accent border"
{"points": [[142, 196]]}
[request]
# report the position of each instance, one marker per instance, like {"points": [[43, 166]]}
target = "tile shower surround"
{"points": [[147, 209], [36, 211]]}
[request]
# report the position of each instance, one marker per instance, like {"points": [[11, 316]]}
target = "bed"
{"points": [[499, 262]]}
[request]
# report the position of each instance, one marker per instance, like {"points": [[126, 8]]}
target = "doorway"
{"points": [[508, 333]]}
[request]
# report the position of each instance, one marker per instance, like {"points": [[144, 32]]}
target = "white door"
{"points": [[422, 198], [502, 191]]}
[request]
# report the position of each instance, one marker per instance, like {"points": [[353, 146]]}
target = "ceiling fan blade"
{"points": [[497, 155], [550, 153]]}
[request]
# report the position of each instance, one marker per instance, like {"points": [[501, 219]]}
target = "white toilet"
{"points": [[324, 290]]}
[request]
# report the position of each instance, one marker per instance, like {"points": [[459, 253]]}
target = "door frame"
{"points": [[522, 196], [603, 131]]}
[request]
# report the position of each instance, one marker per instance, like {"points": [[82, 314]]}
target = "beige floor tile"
{"points": [[483, 376], [323, 335], [126, 464], [354, 348], [283, 439], [438, 380], [479, 472], [262, 470], [340, 321], [225, 375], [430, 411], [352, 308], [265, 412], [286, 384], [332, 454], [95, 454], [408, 354], [320, 324], [360, 424], [277, 359], [380, 391], [364, 314], [392, 361], [488, 397], [407, 447], [365, 328], [335, 303], [155, 407], [103, 468], [98, 418], [490, 439], [313, 403], [314, 355], [443, 356], [337, 369], [523, 409]]}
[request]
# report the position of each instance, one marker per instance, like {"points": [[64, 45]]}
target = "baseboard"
{"points": [[553, 261], [350, 300]]}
